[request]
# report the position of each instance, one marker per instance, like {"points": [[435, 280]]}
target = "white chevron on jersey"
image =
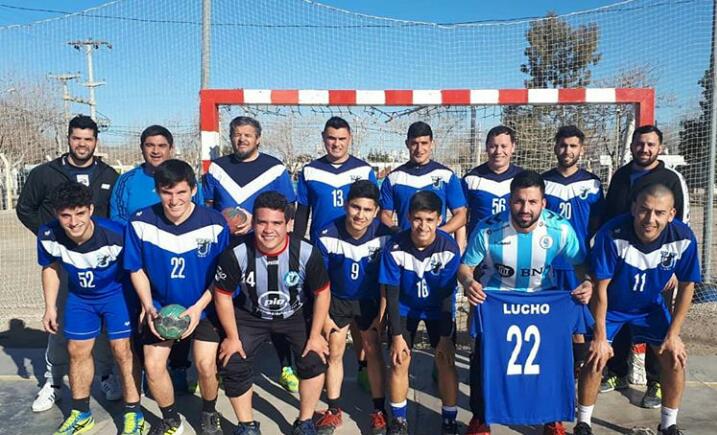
{"points": [[651, 260], [88, 260], [176, 243], [239, 193], [336, 180], [409, 262], [353, 252], [566, 192], [497, 188], [398, 178]]}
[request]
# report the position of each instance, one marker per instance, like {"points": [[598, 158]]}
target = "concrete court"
{"points": [[276, 409]]}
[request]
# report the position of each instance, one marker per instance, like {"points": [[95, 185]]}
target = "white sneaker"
{"points": [[111, 388], [46, 397]]}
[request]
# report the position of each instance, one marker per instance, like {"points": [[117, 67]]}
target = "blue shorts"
{"points": [[85, 317], [650, 327], [565, 279]]}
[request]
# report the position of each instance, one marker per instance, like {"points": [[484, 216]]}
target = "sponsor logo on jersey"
{"points": [[220, 275], [292, 278], [546, 242], [504, 270], [273, 302], [374, 253], [538, 271], [667, 260], [203, 247]]}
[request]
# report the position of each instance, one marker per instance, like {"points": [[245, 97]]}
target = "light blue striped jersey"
{"points": [[512, 260]]}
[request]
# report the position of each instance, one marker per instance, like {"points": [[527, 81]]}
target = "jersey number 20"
{"points": [[532, 333]]}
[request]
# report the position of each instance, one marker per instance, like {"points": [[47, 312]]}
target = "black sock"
{"points": [[169, 412], [361, 365], [209, 405], [131, 407], [105, 377], [82, 405], [333, 404], [57, 387], [379, 404]]}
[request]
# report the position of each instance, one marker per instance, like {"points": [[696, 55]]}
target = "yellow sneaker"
{"points": [[76, 422], [288, 380]]}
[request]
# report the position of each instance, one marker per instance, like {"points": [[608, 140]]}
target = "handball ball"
{"points": [[168, 323], [235, 216]]}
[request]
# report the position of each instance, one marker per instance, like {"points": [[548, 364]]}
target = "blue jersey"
{"points": [[324, 188], [527, 355], [424, 277], [637, 271], [233, 183], [179, 260], [409, 178], [578, 198], [134, 190], [94, 268], [512, 260], [353, 263], [487, 193]]}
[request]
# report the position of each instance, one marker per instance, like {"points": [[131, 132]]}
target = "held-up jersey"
{"points": [[637, 271], [487, 193], [324, 188], [179, 260], [577, 198], [94, 268], [424, 277], [353, 263], [233, 183], [403, 182], [512, 260], [271, 285], [527, 355]]}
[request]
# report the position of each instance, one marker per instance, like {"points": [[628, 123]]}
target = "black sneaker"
{"points": [[582, 429], [672, 430], [210, 423], [247, 429], [168, 426], [653, 396], [306, 427], [398, 426], [449, 427]]}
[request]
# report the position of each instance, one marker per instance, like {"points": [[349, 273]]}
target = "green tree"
{"points": [[695, 135]]}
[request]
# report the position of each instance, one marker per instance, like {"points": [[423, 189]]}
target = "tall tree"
{"points": [[695, 135]]}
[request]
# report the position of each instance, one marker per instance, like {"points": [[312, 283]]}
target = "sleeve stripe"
{"points": [[222, 291], [323, 288]]}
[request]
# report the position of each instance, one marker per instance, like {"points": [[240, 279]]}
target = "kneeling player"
{"points": [[633, 258], [281, 287], [90, 249], [172, 252], [351, 246], [418, 268]]}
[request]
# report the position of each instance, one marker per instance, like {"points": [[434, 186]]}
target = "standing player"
{"points": [[516, 248], [644, 169], [351, 246], [422, 173], [272, 282], [633, 259], [234, 181], [418, 268], [171, 253], [89, 249], [34, 208]]}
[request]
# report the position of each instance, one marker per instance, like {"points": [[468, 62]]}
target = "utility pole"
{"points": [[89, 45], [206, 41], [67, 98]]}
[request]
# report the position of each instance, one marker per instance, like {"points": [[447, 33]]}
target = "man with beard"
{"points": [[643, 170], [516, 248], [34, 208], [234, 181]]}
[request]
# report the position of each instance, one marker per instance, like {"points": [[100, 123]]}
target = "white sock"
{"points": [[668, 417], [585, 413]]}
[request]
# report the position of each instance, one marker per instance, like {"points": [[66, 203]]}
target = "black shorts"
{"points": [[434, 328], [206, 330], [344, 311]]}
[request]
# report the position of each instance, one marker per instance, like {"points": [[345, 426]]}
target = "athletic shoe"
{"points": [[672, 430], [378, 423], [653, 396], [110, 386], [329, 422], [305, 427], [613, 382], [179, 380], [449, 427], [46, 397], [168, 426], [555, 428], [476, 427], [247, 429], [210, 423], [133, 423], [362, 380], [77, 422], [582, 428], [398, 426], [288, 380]]}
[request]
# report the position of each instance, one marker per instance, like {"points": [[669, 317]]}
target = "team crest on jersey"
{"points": [[203, 247], [437, 182], [667, 260], [584, 192], [103, 260], [292, 278], [504, 270], [436, 266], [220, 275], [355, 178], [374, 253], [546, 242]]}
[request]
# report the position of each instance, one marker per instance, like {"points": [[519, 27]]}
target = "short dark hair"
{"points": [[425, 200], [653, 189], [274, 201], [525, 179], [244, 120], [156, 130], [83, 122], [419, 129], [174, 171], [498, 130], [644, 129], [364, 189], [337, 122], [71, 194], [567, 131]]}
